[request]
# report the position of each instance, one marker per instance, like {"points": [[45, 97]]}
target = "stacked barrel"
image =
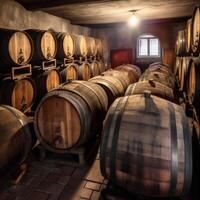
{"points": [[187, 64], [82, 57], [146, 145], [78, 109]]}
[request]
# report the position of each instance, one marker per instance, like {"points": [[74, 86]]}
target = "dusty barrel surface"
{"points": [[16, 48], [84, 72], [77, 112], [16, 141], [45, 44], [111, 85], [157, 89], [196, 30], [160, 67], [19, 94], [123, 77], [65, 45], [133, 70], [146, 146], [70, 72], [159, 77], [46, 81], [80, 45]]}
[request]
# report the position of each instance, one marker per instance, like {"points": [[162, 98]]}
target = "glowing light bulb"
{"points": [[133, 21]]}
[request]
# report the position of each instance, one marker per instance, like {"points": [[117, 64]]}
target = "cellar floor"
{"points": [[58, 181]]}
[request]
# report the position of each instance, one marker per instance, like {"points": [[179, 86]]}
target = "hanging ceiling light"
{"points": [[133, 21]]}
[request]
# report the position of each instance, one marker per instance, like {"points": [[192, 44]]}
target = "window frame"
{"points": [[148, 46]]}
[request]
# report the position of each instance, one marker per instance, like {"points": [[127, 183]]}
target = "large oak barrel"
{"points": [[133, 70], [16, 48], [45, 44], [102, 67], [160, 68], [183, 73], [19, 94], [112, 86], [123, 77], [188, 36], [84, 72], [193, 88], [180, 47], [46, 81], [99, 47], [76, 115], [177, 65], [15, 139], [159, 77], [94, 68], [157, 89], [146, 146], [65, 46], [196, 30], [70, 72], [80, 45], [91, 46]]}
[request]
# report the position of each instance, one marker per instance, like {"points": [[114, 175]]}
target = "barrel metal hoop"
{"points": [[114, 146], [25, 129], [106, 133], [174, 151], [188, 156]]}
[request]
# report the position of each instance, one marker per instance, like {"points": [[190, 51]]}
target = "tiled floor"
{"points": [[58, 181]]}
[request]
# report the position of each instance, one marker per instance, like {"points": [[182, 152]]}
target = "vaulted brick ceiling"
{"points": [[110, 11]]}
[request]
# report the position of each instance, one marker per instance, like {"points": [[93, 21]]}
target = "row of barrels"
{"points": [[188, 40], [146, 145], [22, 47], [67, 117], [27, 92], [188, 75]]}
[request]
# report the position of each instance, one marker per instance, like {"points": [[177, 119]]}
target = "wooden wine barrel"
{"points": [[70, 72], [15, 139], [159, 77], [183, 73], [102, 66], [193, 88], [122, 76], [196, 30], [80, 45], [99, 47], [45, 44], [177, 65], [133, 70], [94, 68], [77, 112], [19, 94], [65, 46], [159, 63], [16, 48], [91, 46], [180, 47], [188, 36], [112, 86], [46, 81], [146, 147], [159, 68], [84, 72], [157, 89]]}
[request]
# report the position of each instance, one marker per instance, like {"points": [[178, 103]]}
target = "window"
{"points": [[148, 46]]}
